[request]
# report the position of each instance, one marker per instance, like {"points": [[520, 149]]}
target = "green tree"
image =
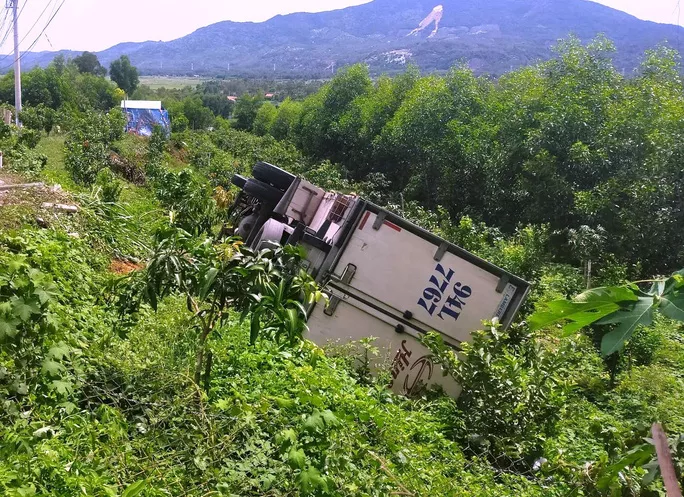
{"points": [[246, 110], [124, 74], [88, 146], [40, 118], [319, 131], [219, 278], [198, 116], [218, 104], [286, 119], [88, 62], [265, 117]]}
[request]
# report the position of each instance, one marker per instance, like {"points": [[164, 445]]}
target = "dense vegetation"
{"points": [[143, 353], [493, 38]]}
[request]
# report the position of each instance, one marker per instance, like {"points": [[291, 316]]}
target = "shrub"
{"points": [[109, 188], [189, 199], [38, 118], [26, 161], [29, 137], [30, 363], [87, 147], [512, 396]]}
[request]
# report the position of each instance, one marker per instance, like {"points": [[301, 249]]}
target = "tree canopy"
{"points": [[124, 74], [88, 62]]}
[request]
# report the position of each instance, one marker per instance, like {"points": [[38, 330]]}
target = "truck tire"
{"points": [[238, 181], [264, 192], [273, 175]]}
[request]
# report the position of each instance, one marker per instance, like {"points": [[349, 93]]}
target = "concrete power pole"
{"points": [[14, 5]]}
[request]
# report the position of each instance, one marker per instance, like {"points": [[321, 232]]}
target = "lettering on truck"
{"points": [[434, 294], [420, 370]]}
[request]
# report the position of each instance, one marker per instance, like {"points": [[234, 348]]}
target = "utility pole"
{"points": [[14, 5]]}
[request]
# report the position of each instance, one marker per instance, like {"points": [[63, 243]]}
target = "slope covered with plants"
{"points": [[142, 352]]}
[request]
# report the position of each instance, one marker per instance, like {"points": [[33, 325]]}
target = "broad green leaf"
{"points": [[59, 351], [640, 314], [296, 458], [16, 262], [152, 296], [286, 438], [209, 279], [284, 403], [46, 292], [29, 491], [43, 432], [311, 481], [584, 310], [62, 387], [329, 418], [52, 368], [8, 327], [134, 489], [607, 294], [21, 388], [314, 422], [579, 314], [672, 305], [255, 327], [24, 309], [636, 457]]}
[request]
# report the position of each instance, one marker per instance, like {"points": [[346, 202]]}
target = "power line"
{"points": [[36, 23], [9, 28], [31, 28], [40, 34], [11, 25]]}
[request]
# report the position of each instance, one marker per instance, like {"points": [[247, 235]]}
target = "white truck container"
{"points": [[386, 277]]}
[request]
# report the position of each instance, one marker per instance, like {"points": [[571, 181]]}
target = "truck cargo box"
{"points": [[386, 277]]}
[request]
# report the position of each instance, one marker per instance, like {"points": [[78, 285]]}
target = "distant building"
{"points": [[269, 96], [143, 115], [232, 98]]}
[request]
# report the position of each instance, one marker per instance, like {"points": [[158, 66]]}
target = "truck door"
{"points": [[394, 281], [432, 284]]}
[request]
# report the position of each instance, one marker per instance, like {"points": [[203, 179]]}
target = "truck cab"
{"points": [[385, 277]]}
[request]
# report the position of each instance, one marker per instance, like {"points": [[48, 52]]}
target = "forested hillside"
{"points": [[145, 352], [491, 37]]}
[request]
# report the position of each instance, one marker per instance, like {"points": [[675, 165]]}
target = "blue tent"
{"points": [[143, 115]]}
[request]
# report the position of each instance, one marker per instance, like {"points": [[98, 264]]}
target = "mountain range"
{"points": [[491, 36]]}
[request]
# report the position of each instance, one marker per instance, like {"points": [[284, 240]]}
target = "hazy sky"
{"points": [[96, 24]]}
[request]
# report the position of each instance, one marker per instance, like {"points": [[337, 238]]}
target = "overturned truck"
{"points": [[385, 277]]}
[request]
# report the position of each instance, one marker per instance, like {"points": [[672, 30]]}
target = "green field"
{"points": [[170, 82]]}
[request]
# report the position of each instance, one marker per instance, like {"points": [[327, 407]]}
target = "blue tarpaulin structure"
{"points": [[143, 115]]}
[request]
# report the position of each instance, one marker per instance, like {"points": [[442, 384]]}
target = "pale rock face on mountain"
{"points": [[492, 37], [434, 16]]}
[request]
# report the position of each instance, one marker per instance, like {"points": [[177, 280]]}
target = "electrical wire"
{"points": [[9, 28], [11, 24], [37, 38], [35, 23], [29, 31]]}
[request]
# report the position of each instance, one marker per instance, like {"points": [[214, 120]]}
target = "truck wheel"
{"points": [[238, 180], [273, 175], [262, 191]]}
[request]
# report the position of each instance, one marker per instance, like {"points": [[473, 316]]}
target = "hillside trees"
{"points": [[569, 143], [88, 62], [246, 109], [124, 74], [61, 86], [319, 131], [264, 119]]}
